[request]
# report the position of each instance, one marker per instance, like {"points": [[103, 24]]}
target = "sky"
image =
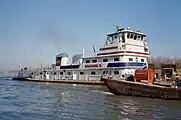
{"points": [[35, 31]]}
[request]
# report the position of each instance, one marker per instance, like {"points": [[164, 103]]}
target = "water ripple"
{"points": [[38, 101]]}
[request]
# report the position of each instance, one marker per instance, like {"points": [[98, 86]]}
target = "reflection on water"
{"points": [[43, 101]]}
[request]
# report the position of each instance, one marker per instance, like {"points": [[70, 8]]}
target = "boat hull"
{"points": [[61, 81], [16, 78], [142, 90]]}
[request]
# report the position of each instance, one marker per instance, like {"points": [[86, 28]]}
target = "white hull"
{"points": [[123, 52]]}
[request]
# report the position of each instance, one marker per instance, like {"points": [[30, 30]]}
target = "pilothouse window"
{"points": [[146, 49], [142, 37], [135, 37], [109, 39], [139, 37], [115, 36], [87, 61], [131, 36], [128, 35]]}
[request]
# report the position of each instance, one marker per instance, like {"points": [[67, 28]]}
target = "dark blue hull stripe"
{"points": [[69, 67], [119, 64], [126, 64]]}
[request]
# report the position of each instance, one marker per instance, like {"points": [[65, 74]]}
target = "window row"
{"points": [[131, 59], [61, 73], [115, 36], [115, 59], [92, 73], [104, 60], [135, 36], [105, 72]]}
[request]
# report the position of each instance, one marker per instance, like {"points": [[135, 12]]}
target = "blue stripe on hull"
{"points": [[69, 67], [126, 64]]}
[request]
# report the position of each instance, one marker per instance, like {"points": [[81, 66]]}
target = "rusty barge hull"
{"points": [[142, 90]]}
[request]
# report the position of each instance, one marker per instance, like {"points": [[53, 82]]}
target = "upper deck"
{"points": [[123, 42], [122, 48]]}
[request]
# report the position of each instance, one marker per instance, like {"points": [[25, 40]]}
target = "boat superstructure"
{"points": [[123, 52], [23, 73]]}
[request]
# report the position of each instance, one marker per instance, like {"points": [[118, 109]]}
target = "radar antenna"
{"points": [[117, 27]]}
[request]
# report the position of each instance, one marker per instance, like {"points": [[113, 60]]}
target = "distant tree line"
{"points": [[157, 61]]}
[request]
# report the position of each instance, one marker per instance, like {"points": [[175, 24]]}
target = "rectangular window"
{"points": [[94, 61], [130, 59], [93, 73], [61, 73], [139, 37], [142, 60], [105, 72], [105, 60], [87, 61], [135, 37], [131, 36], [81, 73], [115, 37], [116, 59], [128, 35], [116, 72], [123, 38], [145, 49]]}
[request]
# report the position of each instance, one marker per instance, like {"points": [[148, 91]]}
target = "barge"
{"points": [[136, 87]]}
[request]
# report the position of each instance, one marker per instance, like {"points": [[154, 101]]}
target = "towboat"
{"points": [[123, 51]]}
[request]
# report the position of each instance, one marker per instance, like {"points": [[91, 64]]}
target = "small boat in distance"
{"points": [[22, 74], [135, 86]]}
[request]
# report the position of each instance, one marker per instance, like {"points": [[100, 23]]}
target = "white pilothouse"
{"points": [[124, 51]]}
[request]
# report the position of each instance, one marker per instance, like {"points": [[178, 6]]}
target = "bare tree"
{"points": [[157, 61]]}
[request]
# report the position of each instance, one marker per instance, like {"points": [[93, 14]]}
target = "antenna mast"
{"points": [[41, 60], [117, 27], [83, 52]]}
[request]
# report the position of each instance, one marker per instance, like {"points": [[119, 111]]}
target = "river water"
{"points": [[42, 101]]}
